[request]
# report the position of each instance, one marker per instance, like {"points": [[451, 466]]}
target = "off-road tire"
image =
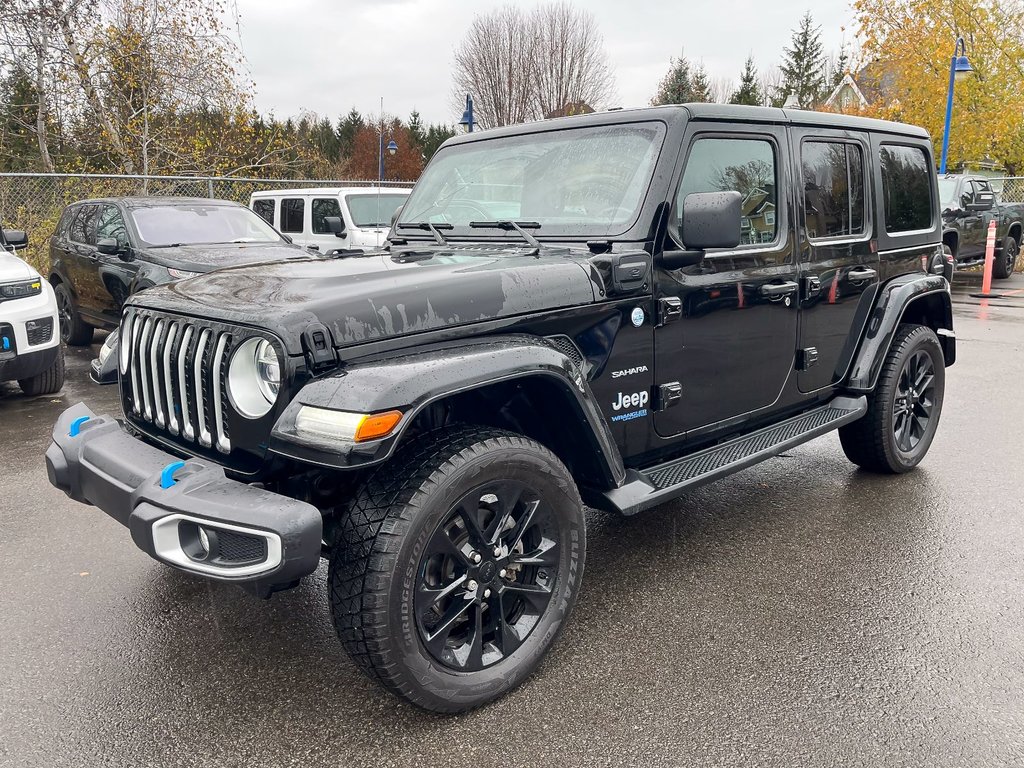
{"points": [[74, 331], [375, 561], [48, 382], [1006, 260], [870, 442]]}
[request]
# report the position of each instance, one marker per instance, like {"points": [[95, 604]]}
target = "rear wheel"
{"points": [[48, 382], [457, 565], [73, 329], [1007, 259], [903, 411]]}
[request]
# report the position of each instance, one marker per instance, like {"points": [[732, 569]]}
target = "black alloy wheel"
{"points": [[65, 314], [486, 576], [1004, 267], [895, 433], [914, 400], [456, 565]]}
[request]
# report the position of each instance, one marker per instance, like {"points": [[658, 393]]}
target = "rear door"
{"points": [[839, 266], [730, 340], [293, 219], [83, 260], [972, 226]]}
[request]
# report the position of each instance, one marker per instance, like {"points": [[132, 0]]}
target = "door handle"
{"points": [[774, 290], [861, 273]]}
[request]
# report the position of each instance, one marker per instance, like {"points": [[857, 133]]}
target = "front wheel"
{"points": [[1007, 259], [457, 565], [903, 411], [48, 382]]}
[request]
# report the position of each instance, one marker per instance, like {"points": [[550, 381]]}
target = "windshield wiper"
{"points": [[509, 226], [427, 226]]}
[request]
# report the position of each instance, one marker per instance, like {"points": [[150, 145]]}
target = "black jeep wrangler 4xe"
{"points": [[606, 309]]}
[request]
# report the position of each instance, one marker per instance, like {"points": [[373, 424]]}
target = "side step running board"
{"points": [[666, 481]]}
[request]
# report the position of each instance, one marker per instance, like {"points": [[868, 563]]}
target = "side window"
{"points": [[747, 166], [833, 178], [906, 188], [322, 207], [83, 227], [967, 196], [292, 211], [264, 207], [65, 222], [111, 225]]}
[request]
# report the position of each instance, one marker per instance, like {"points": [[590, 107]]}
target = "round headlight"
{"points": [[254, 378]]}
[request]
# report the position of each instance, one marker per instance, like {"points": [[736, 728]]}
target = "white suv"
{"points": [[304, 215], [30, 351]]}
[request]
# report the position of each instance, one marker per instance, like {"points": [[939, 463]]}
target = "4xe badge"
{"points": [[636, 400], [637, 316]]}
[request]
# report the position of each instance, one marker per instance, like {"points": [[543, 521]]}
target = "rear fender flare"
{"points": [[925, 298]]}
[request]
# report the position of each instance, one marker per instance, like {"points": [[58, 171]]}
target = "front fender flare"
{"points": [[894, 300], [411, 382]]}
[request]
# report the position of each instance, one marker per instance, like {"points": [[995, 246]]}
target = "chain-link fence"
{"points": [[1011, 189], [34, 201]]}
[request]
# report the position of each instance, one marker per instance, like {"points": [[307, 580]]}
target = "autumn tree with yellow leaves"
{"points": [[909, 43]]}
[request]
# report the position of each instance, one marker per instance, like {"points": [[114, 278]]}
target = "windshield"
{"points": [[580, 182], [373, 210], [198, 223], [947, 191]]}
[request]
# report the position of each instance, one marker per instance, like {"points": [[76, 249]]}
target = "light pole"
{"points": [[959, 68], [467, 116], [392, 148]]}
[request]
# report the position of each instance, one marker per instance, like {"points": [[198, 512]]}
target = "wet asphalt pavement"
{"points": [[799, 613]]}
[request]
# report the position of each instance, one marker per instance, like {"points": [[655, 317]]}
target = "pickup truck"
{"points": [[969, 204]]}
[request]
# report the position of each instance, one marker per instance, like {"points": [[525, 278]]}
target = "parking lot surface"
{"points": [[799, 613]]}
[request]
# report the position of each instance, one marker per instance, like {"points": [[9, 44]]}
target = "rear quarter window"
{"points": [[264, 208], [906, 188]]}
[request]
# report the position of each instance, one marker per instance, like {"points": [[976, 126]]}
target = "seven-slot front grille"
{"points": [[177, 374]]}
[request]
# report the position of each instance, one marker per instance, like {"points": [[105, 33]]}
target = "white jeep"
{"points": [[331, 218]]}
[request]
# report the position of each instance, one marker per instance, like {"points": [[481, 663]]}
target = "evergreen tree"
{"points": [[435, 136], [700, 87], [803, 66], [348, 127], [416, 129], [676, 87], [749, 91], [841, 66]]}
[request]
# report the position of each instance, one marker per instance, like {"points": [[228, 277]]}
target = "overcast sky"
{"points": [[326, 56]]}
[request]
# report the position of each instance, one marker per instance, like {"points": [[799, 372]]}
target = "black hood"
{"points": [[205, 257], [381, 295]]}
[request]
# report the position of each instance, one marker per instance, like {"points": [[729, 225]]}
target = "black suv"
{"points": [[606, 309], [105, 250]]}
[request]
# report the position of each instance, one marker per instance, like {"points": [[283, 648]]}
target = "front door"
{"points": [[839, 265], [732, 342], [115, 273]]}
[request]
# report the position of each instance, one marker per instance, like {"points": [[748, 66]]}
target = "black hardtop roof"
{"points": [[709, 112], [153, 200]]}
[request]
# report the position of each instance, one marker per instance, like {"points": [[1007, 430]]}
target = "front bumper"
{"points": [[16, 366], [264, 541]]}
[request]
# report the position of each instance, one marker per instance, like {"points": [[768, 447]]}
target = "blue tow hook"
{"points": [[76, 426], [167, 475]]}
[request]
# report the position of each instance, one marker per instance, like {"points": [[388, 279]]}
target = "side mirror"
{"points": [[712, 220], [336, 225], [108, 246], [983, 201], [16, 239], [396, 214]]}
